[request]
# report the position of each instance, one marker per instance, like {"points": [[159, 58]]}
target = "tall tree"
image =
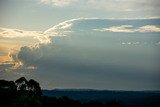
{"points": [[34, 87], [7, 85], [21, 84]]}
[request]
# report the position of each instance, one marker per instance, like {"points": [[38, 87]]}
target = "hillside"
{"points": [[129, 98]]}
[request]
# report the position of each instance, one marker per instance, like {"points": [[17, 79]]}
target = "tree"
{"points": [[34, 87], [21, 83], [114, 103], [7, 84], [31, 85], [7, 92]]}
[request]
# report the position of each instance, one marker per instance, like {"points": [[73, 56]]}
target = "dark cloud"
{"points": [[90, 59]]}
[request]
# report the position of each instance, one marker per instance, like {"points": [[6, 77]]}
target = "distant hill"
{"points": [[129, 98]]}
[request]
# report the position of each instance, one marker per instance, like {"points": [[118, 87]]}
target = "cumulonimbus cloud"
{"points": [[99, 55], [28, 55], [79, 24]]}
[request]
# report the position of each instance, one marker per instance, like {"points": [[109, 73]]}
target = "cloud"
{"points": [[3, 67], [122, 28], [149, 28], [16, 33], [11, 40], [83, 24], [84, 55], [29, 56], [63, 32], [106, 8], [108, 5], [58, 3], [130, 29], [61, 28]]}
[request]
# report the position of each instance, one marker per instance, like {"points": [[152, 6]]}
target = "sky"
{"points": [[43, 14], [93, 44]]}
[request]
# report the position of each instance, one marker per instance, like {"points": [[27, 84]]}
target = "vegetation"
{"points": [[23, 93]]}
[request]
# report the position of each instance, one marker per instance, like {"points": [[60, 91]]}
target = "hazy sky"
{"points": [[100, 44], [42, 14]]}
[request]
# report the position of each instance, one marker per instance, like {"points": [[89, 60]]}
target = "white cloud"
{"points": [[129, 10], [122, 28], [130, 29], [58, 3], [130, 43], [13, 33], [58, 30], [149, 28], [16, 33], [82, 24]]}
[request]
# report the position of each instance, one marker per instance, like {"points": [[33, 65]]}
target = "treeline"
{"points": [[23, 93]]}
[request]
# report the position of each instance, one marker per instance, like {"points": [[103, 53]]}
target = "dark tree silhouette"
{"points": [[34, 87], [28, 93], [7, 92], [114, 103], [7, 85], [94, 104], [21, 83], [23, 93]]}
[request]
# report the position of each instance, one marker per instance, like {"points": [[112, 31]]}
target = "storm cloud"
{"points": [[83, 55]]}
